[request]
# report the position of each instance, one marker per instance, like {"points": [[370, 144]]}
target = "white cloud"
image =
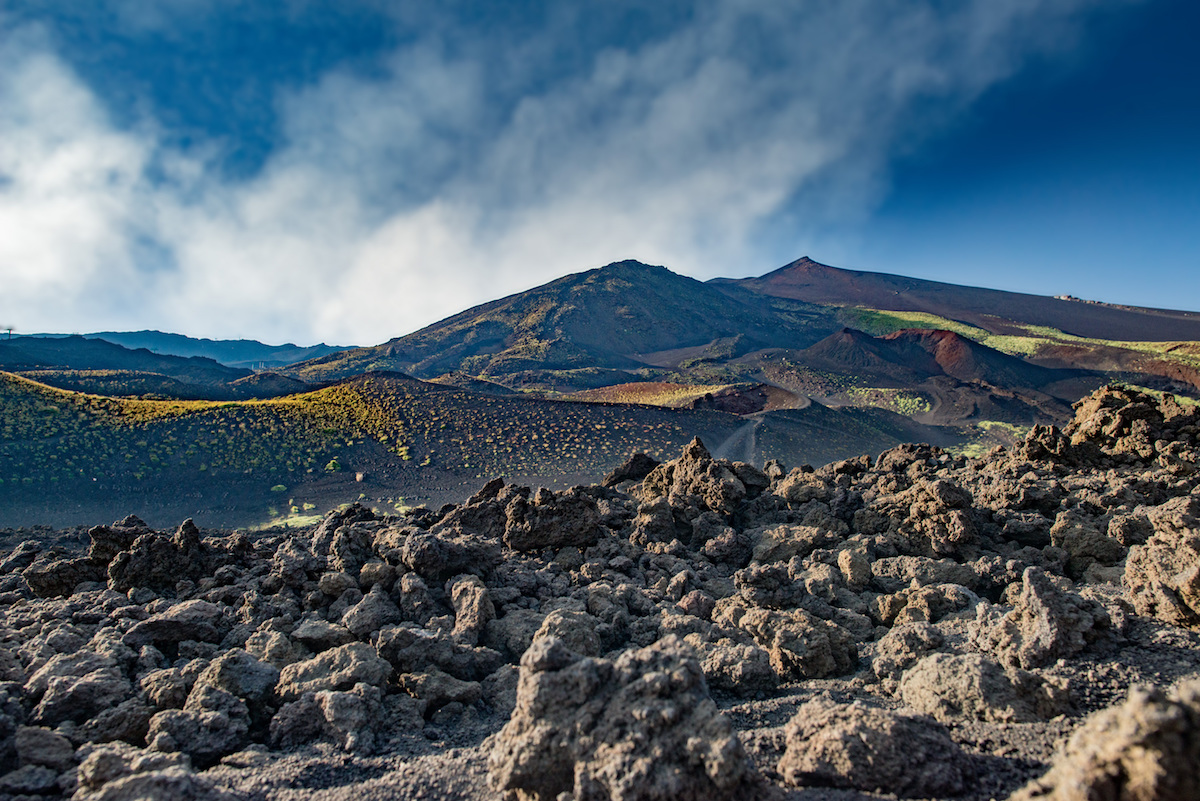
{"points": [[446, 181]]}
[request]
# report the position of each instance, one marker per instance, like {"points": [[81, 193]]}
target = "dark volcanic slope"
{"points": [[914, 355], [812, 282], [80, 353], [595, 319], [231, 352]]}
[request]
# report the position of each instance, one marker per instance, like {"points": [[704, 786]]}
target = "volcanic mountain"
{"points": [[105, 368], [990, 309], [606, 319], [914, 355]]}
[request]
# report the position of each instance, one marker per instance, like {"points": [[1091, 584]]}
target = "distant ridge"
{"points": [[246, 353], [990, 309], [603, 319]]}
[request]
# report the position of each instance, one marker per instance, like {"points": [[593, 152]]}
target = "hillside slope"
{"points": [[384, 438], [607, 319], [809, 281]]}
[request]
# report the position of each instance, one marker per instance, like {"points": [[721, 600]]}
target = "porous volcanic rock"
{"points": [[868, 748], [1163, 576], [640, 727], [1146, 749]]}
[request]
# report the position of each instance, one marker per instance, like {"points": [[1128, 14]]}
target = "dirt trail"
{"points": [[741, 444]]}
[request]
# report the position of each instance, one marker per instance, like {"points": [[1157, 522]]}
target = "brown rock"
{"points": [[1146, 749]]}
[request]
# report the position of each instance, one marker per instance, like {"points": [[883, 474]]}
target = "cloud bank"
{"points": [[476, 161]]}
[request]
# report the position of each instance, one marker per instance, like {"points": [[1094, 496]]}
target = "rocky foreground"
{"points": [[918, 625]]}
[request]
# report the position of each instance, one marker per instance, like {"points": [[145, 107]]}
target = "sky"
{"points": [[350, 171]]}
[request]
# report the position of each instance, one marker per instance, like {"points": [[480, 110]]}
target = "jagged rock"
{"points": [[892, 574], [160, 561], [473, 608], [128, 721], [75, 687], [922, 604], [928, 519], [176, 784], [695, 474], [241, 675], [803, 486], [1117, 421], [167, 688], [350, 719], [372, 613], [293, 564], [37, 745], [118, 760], [211, 724], [1085, 541], [867, 748], [953, 688], [196, 620], [58, 577], [105, 542], [735, 667], [576, 630], [273, 647], [21, 557], [409, 648], [901, 648], [414, 599], [551, 520], [327, 529], [801, 645], [782, 543], [1047, 623], [654, 522], [438, 689], [439, 557], [376, 573], [1162, 577], [1143, 750], [336, 669], [513, 633], [635, 468], [638, 728], [321, 635], [30, 780]]}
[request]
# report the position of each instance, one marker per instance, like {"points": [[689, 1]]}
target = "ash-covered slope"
{"points": [[697, 628], [914, 355], [809, 281], [601, 318]]}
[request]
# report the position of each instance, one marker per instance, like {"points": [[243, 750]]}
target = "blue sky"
{"points": [[305, 170]]}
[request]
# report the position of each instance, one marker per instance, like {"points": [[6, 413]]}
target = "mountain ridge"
{"points": [[807, 280]]}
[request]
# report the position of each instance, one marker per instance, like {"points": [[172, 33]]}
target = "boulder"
{"points": [[1047, 623], [867, 748], [801, 645], [953, 688], [638, 728], [372, 613], [1146, 749], [196, 620], [1162, 577], [551, 520], [336, 669], [473, 608]]}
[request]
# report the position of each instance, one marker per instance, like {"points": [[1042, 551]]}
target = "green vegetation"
{"points": [[897, 400], [1034, 341], [651, 393], [49, 435]]}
